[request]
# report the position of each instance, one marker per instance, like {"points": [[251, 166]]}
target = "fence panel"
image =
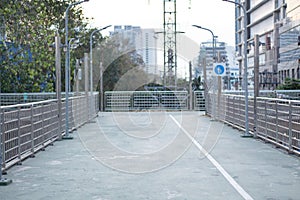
{"points": [[148, 100], [276, 121], [28, 128], [199, 101]]}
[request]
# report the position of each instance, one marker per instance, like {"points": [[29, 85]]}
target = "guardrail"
{"points": [[146, 100], [28, 128], [280, 94], [21, 98], [273, 120], [199, 101]]}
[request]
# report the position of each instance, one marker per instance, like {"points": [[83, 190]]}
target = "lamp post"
{"points": [[67, 66], [70, 47], [246, 134], [213, 39], [91, 63], [214, 55]]}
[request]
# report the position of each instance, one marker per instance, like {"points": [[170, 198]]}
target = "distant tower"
{"points": [[170, 50]]}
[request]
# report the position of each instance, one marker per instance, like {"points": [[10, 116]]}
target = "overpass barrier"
{"points": [[199, 101], [273, 120], [7, 99], [145, 100], [28, 128]]}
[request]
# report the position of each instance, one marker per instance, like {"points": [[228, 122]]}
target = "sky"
{"points": [[215, 15]]}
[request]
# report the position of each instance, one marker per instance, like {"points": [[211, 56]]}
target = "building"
{"points": [[143, 41], [289, 39], [207, 58], [276, 24]]}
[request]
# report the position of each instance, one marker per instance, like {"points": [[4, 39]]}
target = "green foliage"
{"points": [[197, 83], [31, 26], [122, 66], [124, 73], [182, 84], [290, 84]]}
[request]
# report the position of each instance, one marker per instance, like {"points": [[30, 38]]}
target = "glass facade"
{"points": [[289, 57], [290, 37]]}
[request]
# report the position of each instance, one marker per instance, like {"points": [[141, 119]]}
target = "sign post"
{"points": [[219, 70]]}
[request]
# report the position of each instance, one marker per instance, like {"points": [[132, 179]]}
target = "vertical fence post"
{"points": [[32, 130], [19, 136], [101, 88], [43, 132], [3, 181], [58, 83], [266, 114], [276, 110], [255, 115], [190, 87], [290, 127], [256, 80], [219, 98], [2, 141], [86, 83]]}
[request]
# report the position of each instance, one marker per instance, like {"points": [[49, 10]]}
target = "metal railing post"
{"points": [[290, 127], [43, 132], [266, 114], [276, 110], [3, 181], [32, 129], [58, 83], [19, 136], [86, 83]]}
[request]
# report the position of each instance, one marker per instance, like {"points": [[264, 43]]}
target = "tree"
{"points": [[30, 27], [122, 65], [290, 84]]}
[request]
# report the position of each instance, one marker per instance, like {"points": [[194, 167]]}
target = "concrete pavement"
{"points": [[156, 155]]}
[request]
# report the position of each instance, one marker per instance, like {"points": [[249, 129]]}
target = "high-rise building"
{"points": [[207, 51], [276, 23], [289, 37], [143, 41]]}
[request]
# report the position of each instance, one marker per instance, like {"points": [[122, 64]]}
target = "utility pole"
{"points": [[67, 66], [86, 82], [58, 81], [219, 89], [190, 86], [101, 88], [205, 84], [256, 79], [245, 62]]}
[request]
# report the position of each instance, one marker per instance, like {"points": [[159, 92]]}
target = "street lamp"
{"points": [[91, 61], [67, 66], [214, 56], [213, 39], [246, 134], [70, 47]]}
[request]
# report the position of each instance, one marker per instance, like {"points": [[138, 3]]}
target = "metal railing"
{"points": [[276, 121], [199, 101], [21, 98], [28, 128], [280, 94], [146, 100]]}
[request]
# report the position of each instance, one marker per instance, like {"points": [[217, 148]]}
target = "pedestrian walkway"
{"points": [[156, 155]]}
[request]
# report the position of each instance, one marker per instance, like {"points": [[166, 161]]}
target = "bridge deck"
{"points": [[156, 155]]}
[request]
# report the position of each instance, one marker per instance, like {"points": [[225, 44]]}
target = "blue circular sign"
{"points": [[219, 69]]}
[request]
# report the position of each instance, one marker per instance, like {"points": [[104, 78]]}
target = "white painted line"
{"points": [[234, 184]]}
